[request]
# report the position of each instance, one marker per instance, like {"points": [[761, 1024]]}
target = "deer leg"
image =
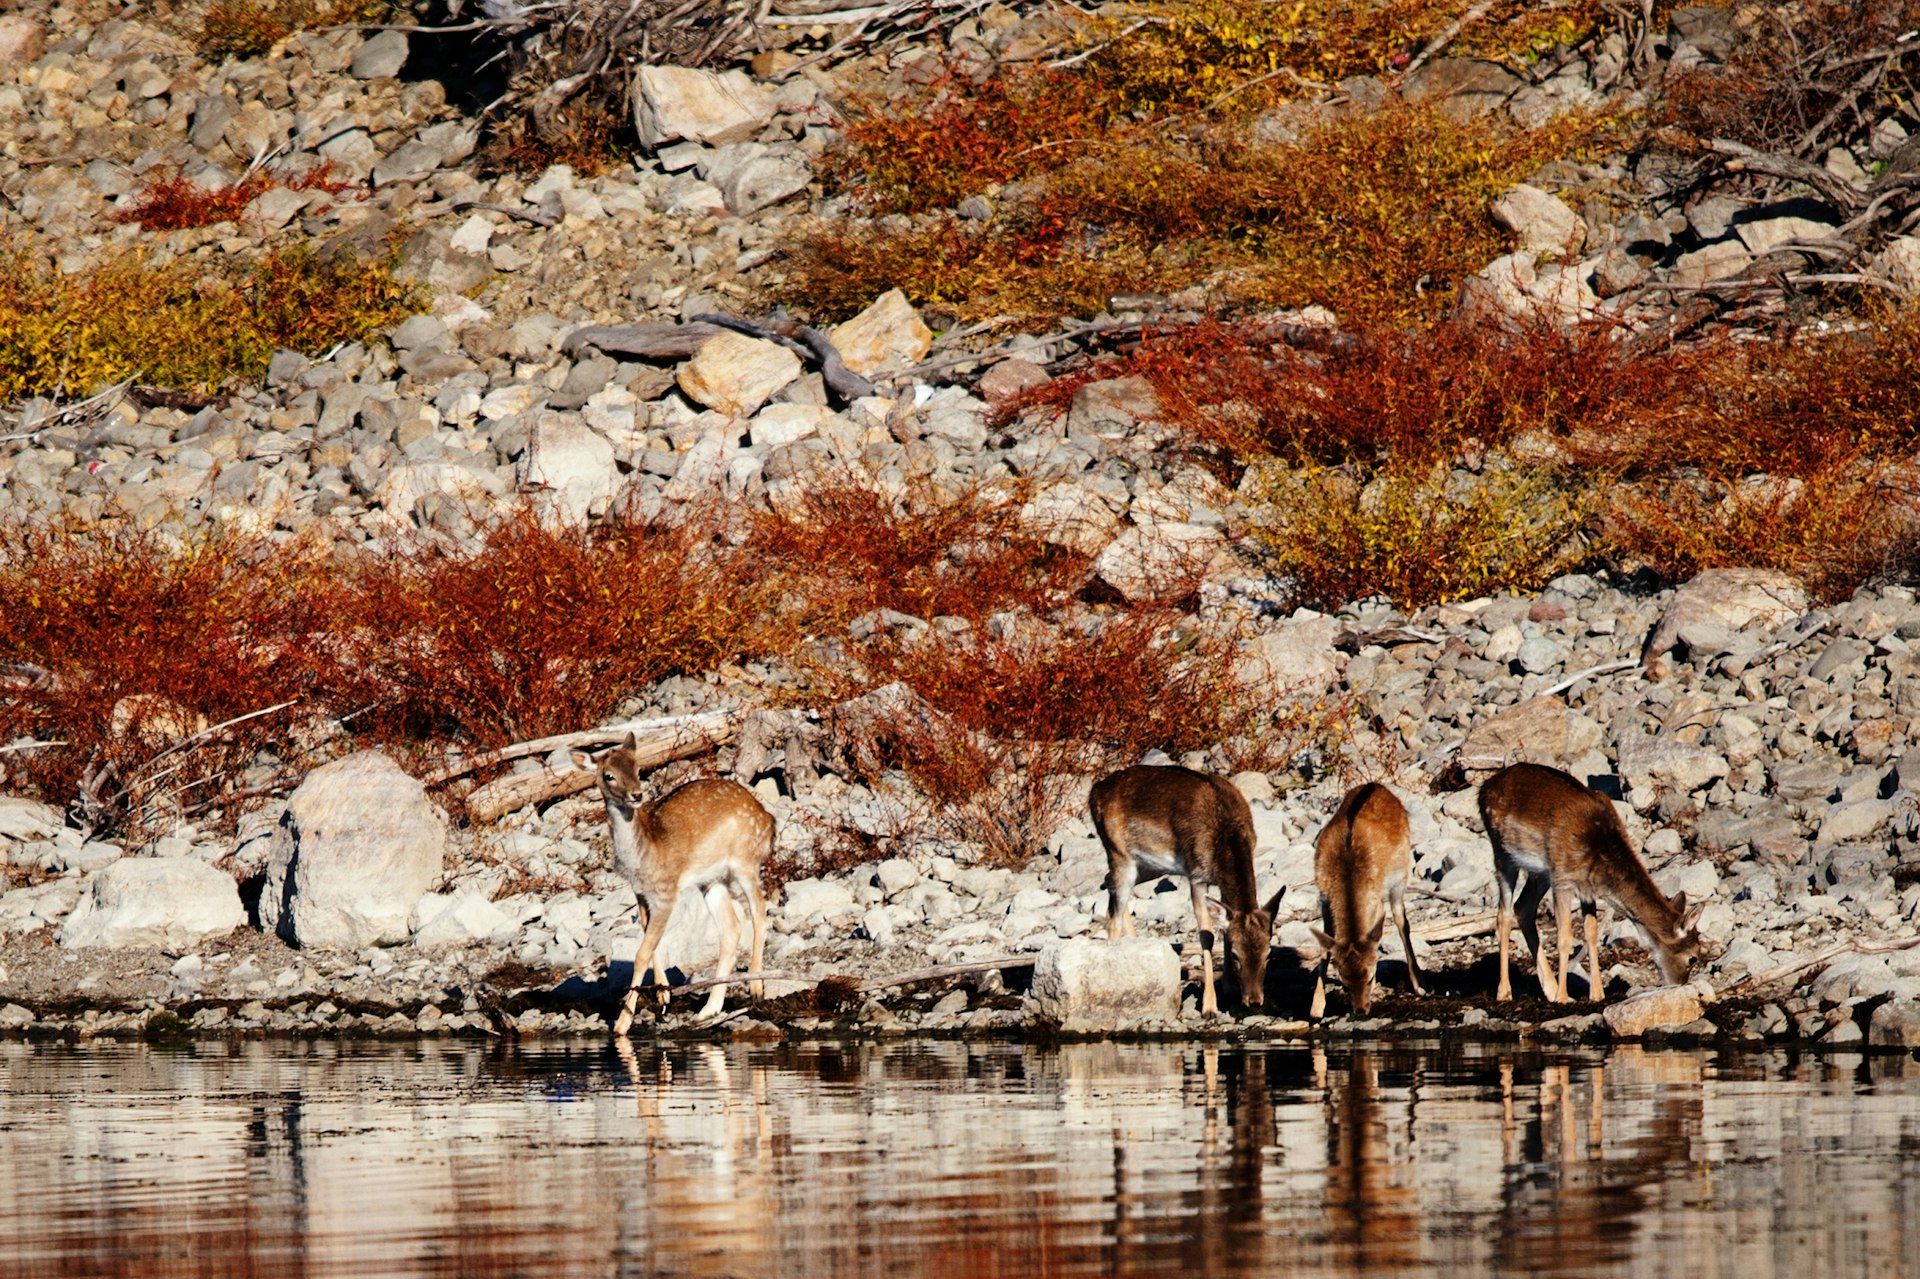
{"points": [[720, 906], [1528, 910], [1397, 897], [1318, 1007], [1121, 875], [648, 956], [1507, 874], [757, 912], [1593, 950], [1563, 922], [1208, 1005]]}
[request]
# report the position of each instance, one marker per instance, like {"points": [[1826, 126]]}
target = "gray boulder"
{"points": [[154, 901], [1733, 597], [1091, 984], [357, 846]]}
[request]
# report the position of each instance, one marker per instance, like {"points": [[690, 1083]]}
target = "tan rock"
{"points": [[1635, 1015], [675, 103], [1160, 561], [736, 374], [889, 329], [1734, 597], [22, 41], [1539, 731], [1071, 516], [1543, 223]]}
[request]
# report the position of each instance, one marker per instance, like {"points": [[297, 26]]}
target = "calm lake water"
{"points": [[439, 1158]]}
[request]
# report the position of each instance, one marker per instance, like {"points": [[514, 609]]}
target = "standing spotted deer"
{"points": [[1361, 861], [1570, 838], [1166, 820], [710, 834]]}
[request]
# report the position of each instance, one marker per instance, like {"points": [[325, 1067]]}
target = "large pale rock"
{"points": [[889, 329], [1764, 235], [1514, 286], [736, 374], [1294, 657], [1090, 984], [456, 919], [1542, 730], [1069, 515], [1635, 1015], [22, 41], [357, 846], [28, 819], [1718, 261], [675, 103], [1899, 264], [1159, 561], [811, 901], [1735, 598], [573, 467], [752, 177], [400, 492], [1669, 764], [1895, 1024], [380, 57], [1542, 222], [154, 901]]}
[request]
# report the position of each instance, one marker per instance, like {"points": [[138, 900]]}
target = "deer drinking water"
{"points": [[1361, 861], [1167, 820], [710, 834], [1569, 838]]}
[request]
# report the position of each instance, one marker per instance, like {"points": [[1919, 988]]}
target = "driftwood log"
{"points": [[660, 742]]}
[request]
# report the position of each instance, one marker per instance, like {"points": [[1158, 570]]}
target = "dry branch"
{"points": [[1827, 956], [497, 798]]}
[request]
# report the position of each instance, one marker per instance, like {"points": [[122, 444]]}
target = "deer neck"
{"points": [[1641, 900], [632, 838]]}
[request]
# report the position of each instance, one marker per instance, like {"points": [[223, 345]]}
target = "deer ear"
{"points": [[632, 742], [1691, 920], [1680, 907], [1326, 942], [1273, 902]]}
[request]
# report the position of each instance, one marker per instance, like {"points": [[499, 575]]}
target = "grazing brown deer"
{"points": [[710, 834], [1174, 821], [1570, 838], [1361, 860]]}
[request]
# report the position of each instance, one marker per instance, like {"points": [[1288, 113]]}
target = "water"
{"points": [[441, 1158]]}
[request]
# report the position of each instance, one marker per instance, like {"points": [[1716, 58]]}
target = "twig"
{"points": [[28, 746], [207, 734], [1063, 63], [1794, 967], [1604, 668], [1741, 158], [1446, 37], [651, 728], [534, 216]]}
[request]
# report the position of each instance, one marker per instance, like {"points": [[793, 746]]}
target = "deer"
{"points": [[1361, 861], [1569, 837], [1167, 820], [710, 834]]}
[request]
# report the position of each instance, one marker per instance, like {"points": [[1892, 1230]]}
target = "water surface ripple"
{"points": [[442, 1158]]}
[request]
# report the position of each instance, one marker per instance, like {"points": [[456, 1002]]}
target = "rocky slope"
{"points": [[1762, 749]]}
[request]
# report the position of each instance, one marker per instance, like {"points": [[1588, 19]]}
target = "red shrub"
{"points": [[540, 631], [850, 546], [171, 204], [121, 643]]}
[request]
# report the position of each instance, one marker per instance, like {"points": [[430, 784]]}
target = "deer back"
{"points": [[1544, 816], [1197, 822], [704, 827], [1364, 844]]}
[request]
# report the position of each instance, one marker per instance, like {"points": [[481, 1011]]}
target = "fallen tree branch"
{"points": [[1741, 158], [647, 341], [524, 214], [1446, 37], [700, 721], [1604, 668], [497, 798], [1827, 956], [1439, 930]]}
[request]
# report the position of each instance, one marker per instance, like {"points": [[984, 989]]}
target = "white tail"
{"points": [[1174, 821], [710, 834], [1361, 861], [1569, 838]]}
